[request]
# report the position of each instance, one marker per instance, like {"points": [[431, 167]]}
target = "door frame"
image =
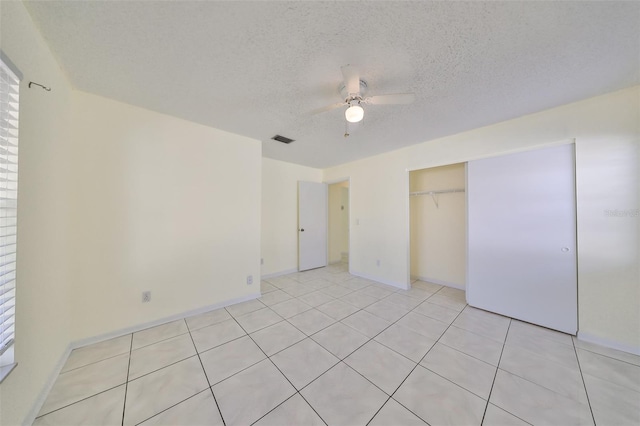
{"points": [[331, 182]]}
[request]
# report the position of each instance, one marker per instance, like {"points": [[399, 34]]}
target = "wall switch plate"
{"points": [[262, 261], [378, 262], [146, 296], [249, 279]]}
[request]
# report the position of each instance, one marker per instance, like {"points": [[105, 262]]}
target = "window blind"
{"points": [[9, 98]]}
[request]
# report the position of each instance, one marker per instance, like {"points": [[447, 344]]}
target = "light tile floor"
{"points": [[325, 347]]}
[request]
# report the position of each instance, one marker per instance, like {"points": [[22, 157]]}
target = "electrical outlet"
{"points": [[146, 296], [249, 279]]}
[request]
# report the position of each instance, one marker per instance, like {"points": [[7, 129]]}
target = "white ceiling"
{"points": [[259, 68]]}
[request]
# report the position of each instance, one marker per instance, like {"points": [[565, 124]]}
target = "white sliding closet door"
{"points": [[522, 237]]}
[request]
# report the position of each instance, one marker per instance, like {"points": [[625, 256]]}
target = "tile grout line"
{"points": [[161, 368], [171, 406], [169, 365], [93, 363], [380, 409], [372, 339], [541, 385], [205, 374], [523, 378], [161, 340], [130, 352], [420, 301], [283, 375], [80, 400], [606, 356], [584, 383], [309, 337], [421, 359], [126, 384], [283, 402], [496, 375]]}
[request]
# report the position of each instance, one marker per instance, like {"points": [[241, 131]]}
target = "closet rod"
{"points": [[441, 191]]}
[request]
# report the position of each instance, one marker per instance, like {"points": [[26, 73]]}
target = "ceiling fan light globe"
{"points": [[354, 114]]}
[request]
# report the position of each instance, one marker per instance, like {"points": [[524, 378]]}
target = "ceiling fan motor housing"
{"points": [[350, 96]]}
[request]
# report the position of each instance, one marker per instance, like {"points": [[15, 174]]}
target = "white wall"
{"points": [[607, 134], [113, 200], [161, 204], [379, 208], [43, 311], [438, 232], [279, 230]]}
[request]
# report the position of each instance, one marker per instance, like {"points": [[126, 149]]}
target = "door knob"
{"points": [[301, 229], [565, 249]]}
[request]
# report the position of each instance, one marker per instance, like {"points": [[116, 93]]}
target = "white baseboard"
{"points": [[277, 274], [113, 334], [440, 282], [608, 343], [402, 286], [42, 396]]}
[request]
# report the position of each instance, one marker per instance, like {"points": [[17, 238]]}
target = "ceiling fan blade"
{"points": [[398, 98], [327, 108], [351, 79]]}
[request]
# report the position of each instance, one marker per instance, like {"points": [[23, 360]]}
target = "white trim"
{"points": [[14, 69], [5, 370], [586, 337], [51, 380], [407, 214], [278, 274], [333, 182], [339, 180], [466, 227], [37, 405], [401, 286], [164, 320], [440, 282]]}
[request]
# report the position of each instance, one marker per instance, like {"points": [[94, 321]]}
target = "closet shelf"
{"points": [[441, 191], [434, 194]]}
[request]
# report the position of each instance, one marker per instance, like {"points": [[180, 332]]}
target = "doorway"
{"points": [[338, 247]]}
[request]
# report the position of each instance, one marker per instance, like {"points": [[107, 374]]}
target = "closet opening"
{"points": [[438, 225]]}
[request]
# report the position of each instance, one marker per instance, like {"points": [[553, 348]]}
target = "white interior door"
{"points": [[522, 237], [312, 225]]}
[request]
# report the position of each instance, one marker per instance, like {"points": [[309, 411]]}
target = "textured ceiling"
{"points": [[259, 68]]}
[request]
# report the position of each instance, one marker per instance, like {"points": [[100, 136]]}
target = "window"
{"points": [[9, 97]]}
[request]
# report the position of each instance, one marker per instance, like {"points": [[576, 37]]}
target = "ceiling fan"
{"points": [[353, 91]]}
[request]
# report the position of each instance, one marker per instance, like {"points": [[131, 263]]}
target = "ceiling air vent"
{"points": [[282, 139]]}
